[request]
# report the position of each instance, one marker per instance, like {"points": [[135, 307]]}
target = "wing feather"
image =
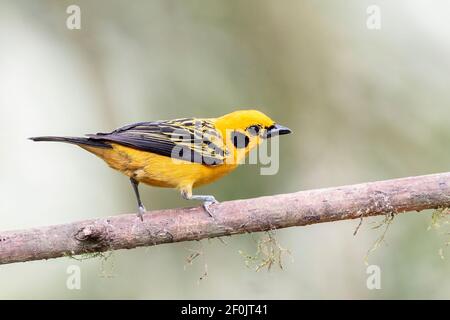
{"points": [[194, 140]]}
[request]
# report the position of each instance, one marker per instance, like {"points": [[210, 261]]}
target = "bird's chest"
{"points": [[161, 171], [165, 172]]}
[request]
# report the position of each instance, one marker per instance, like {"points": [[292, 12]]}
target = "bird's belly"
{"points": [[157, 170]]}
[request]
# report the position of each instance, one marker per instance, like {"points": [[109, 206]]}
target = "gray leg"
{"points": [[206, 199], [142, 210]]}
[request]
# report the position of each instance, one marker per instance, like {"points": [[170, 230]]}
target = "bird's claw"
{"points": [[141, 212], [207, 206]]}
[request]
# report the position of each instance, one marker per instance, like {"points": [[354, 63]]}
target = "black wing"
{"points": [[194, 140]]}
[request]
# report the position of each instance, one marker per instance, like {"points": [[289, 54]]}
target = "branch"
{"points": [[232, 217]]}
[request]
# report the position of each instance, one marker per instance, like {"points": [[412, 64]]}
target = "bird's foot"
{"points": [[207, 205], [141, 212], [207, 200]]}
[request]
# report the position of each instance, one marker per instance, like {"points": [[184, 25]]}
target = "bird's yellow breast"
{"points": [[157, 170]]}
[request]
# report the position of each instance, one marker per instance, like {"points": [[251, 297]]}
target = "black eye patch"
{"points": [[253, 130], [239, 139]]}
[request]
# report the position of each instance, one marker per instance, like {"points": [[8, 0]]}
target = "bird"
{"points": [[182, 153]]}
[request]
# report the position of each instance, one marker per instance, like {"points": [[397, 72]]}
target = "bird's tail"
{"points": [[74, 140]]}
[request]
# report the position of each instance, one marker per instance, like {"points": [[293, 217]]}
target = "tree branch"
{"points": [[232, 217]]}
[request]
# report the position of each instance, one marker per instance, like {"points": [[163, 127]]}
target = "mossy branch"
{"points": [[232, 217]]}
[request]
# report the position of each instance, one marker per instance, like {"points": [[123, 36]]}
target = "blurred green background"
{"points": [[364, 105]]}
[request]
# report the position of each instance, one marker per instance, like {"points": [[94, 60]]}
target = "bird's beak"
{"points": [[276, 130]]}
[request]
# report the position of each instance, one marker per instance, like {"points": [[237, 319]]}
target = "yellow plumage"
{"points": [[157, 170], [180, 153]]}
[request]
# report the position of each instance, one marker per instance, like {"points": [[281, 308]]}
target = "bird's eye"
{"points": [[253, 130]]}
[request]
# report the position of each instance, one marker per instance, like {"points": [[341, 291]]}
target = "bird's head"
{"points": [[243, 130]]}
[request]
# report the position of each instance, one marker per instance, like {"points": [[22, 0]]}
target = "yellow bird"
{"points": [[181, 153]]}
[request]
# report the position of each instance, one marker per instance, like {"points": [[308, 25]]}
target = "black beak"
{"points": [[276, 130]]}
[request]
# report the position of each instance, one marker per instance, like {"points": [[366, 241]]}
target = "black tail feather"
{"points": [[74, 140]]}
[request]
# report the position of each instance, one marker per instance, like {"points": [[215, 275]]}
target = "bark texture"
{"points": [[232, 217]]}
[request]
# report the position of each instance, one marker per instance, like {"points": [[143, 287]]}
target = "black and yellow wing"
{"points": [[190, 139]]}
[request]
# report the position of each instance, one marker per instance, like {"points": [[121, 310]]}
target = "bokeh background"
{"points": [[364, 105]]}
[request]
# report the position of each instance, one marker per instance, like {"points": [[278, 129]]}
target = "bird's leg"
{"points": [[142, 210], [206, 199], [207, 202]]}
